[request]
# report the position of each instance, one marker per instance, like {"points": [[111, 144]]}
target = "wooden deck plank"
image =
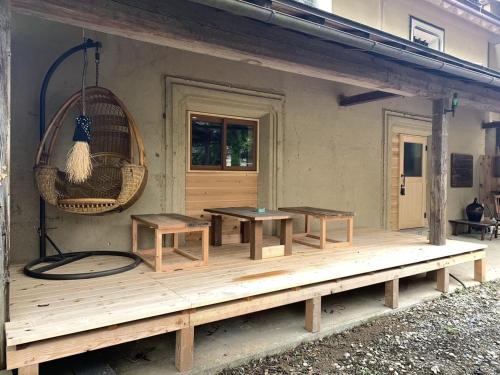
{"points": [[82, 305]]}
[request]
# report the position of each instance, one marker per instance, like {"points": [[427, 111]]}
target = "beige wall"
{"points": [[462, 39], [331, 157]]}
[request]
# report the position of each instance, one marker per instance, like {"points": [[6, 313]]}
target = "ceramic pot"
{"points": [[474, 211]]}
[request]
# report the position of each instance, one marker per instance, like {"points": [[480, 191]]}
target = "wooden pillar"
{"points": [[4, 170], [392, 293], [443, 280], [313, 314], [184, 348], [439, 173]]}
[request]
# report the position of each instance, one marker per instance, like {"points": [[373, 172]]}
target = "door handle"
{"points": [[403, 185]]}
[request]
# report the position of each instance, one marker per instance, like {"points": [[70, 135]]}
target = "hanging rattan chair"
{"points": [[119, 171]]}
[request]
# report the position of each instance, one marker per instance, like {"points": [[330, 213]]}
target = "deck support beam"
{"points": [[184, 349], [392, 293], [5, 41], [443, 280], [439, 173], [313, 314]]}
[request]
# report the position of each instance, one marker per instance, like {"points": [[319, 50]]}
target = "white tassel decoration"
{"points": [[78, 163]]}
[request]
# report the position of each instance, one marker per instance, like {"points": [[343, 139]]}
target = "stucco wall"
{"points": [[332, 157], [462, 39]]}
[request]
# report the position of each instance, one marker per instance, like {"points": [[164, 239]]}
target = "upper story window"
{"points": [[222, 143], [325, 5], [426, 34]]}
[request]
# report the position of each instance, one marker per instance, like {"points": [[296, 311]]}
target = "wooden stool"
{"points": [[170, 224]]}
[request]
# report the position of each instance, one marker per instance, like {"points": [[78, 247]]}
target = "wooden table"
{"points": [[170, 224], [482, 225], [255, 220], [324, 216]]}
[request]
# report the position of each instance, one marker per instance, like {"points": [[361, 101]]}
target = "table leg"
{"points": [[286, 235], [322, 233], [350, 230], [496, 230], [307, 223], [216, 230], [256, 240], [245, 231], [483, 230], [158, 250], [134, 236], [204, 246], [175, 240]]}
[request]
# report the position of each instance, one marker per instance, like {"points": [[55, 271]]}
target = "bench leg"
{"points": [[184, 348], [322, 233], [256, 240], [245, 231], [480, 270], [313, 314], [158, 251], [204, 246], [392, 293], [443, 280], [286, 235], [28, 370]]}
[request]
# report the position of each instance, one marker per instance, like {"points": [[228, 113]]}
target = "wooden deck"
{"points": [[57, 317]]}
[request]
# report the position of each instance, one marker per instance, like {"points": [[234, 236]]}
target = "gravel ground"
{"points": [[458, 333]]}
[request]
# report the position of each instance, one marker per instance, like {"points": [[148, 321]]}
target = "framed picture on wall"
{"points": [[462, 170]]}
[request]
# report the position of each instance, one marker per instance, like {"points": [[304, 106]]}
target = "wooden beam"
{"points": [[491, 125], [5, 17], [366, 97], [313, 314], [188, 26], [28, 370], [439, 173]]}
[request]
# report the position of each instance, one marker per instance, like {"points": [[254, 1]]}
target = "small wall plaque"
{"points": [[462, 170]]}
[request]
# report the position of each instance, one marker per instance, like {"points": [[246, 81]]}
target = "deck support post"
{"points": [[443, 280], [392, 293], [313, 314], [184, 348], [5, 62], [28, 370], [439, 172], [480, 270]]}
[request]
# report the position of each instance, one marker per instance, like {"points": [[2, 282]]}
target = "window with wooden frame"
{"points": [[222, 143]]}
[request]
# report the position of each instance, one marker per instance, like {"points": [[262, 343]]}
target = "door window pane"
{"points": [[413, 159], [240, 146], [206, 141]]}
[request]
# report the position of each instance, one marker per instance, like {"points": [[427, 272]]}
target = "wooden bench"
{"points": [[324, 216], [173, 224], [482, 225]]}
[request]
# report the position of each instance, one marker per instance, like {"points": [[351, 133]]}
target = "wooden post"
{"points": [[184, 348], [439, 173], [313, 314], [443, 280], [158, 250], [5, 16], [322, 233], [392, 293], [480, 270]]}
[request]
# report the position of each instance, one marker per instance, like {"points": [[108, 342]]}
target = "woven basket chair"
{"points": [[119, 171]]}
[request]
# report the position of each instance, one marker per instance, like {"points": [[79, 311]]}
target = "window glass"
{"points": [[426, 34], [240, 146], [413, 159], [206, 141]]}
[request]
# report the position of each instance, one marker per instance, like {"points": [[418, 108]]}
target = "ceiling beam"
{"points": [[491, 125], [200, 29], [366, 97]]}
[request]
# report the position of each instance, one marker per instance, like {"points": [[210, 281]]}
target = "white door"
{"points": [[412, 194]]}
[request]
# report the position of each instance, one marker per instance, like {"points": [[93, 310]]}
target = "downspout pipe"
{"points": [[271, 16]]}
